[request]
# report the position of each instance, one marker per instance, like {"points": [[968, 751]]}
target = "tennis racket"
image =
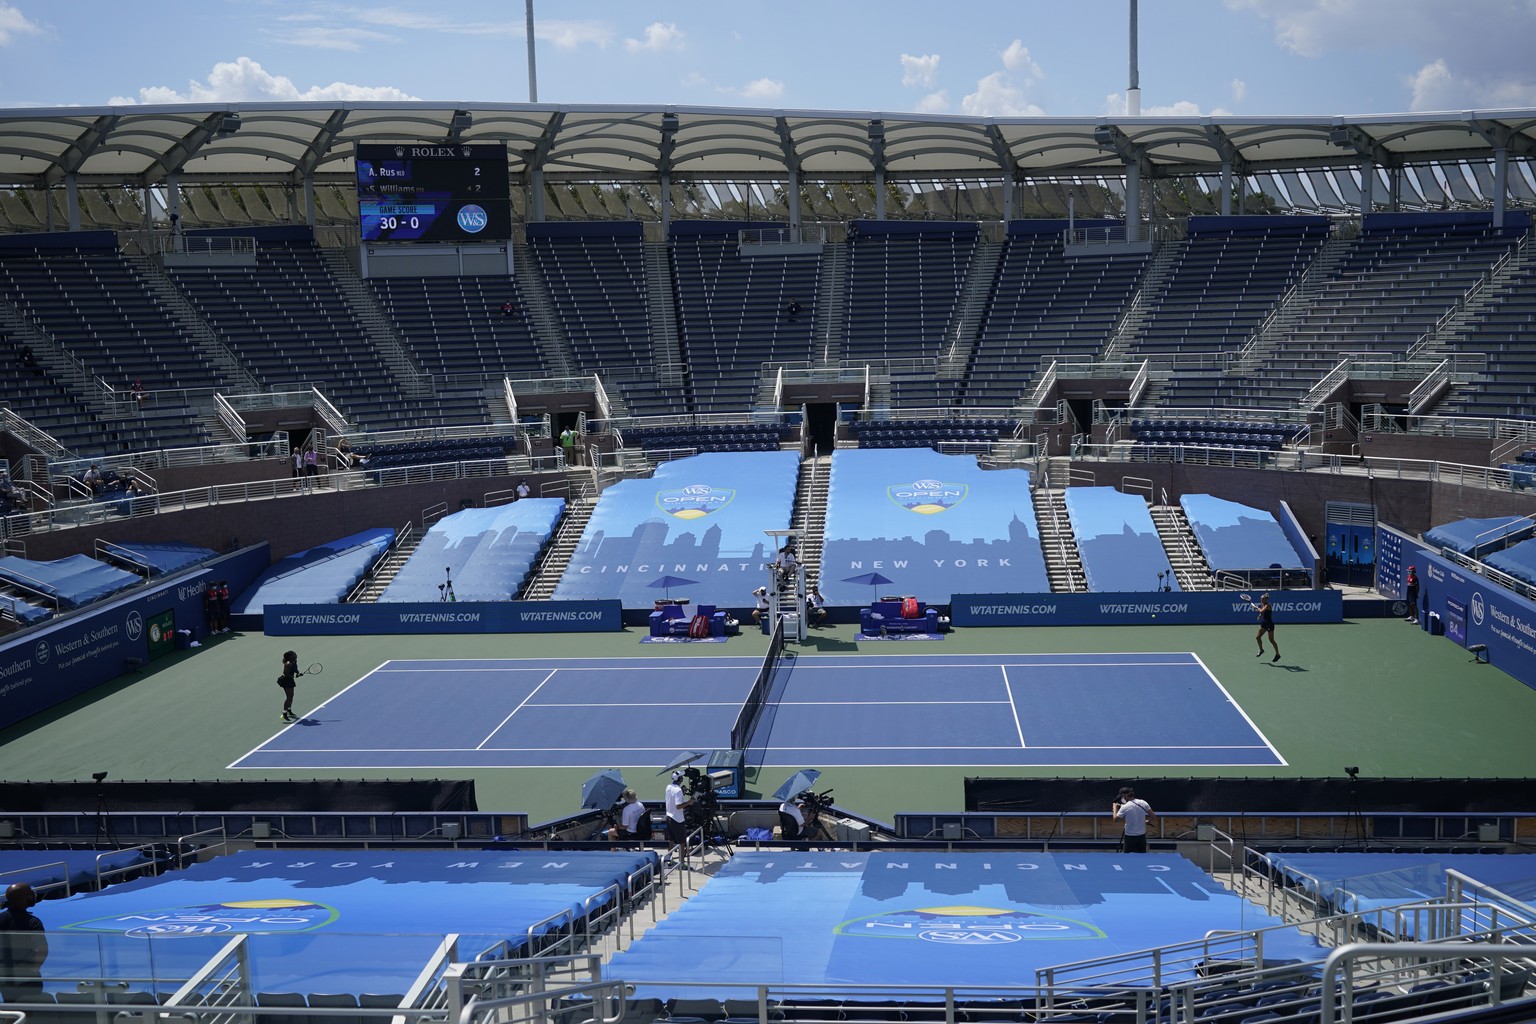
{"points": [[1248, 598], [314, 669]]}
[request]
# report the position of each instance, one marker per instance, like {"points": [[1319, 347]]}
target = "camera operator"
{"points": [[813, 804], [633, 822], [677, 801], [792, 817], [1136, 813]]}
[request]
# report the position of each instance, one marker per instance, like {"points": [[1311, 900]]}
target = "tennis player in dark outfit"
{"points": [[286, 681], [1266, 626]]}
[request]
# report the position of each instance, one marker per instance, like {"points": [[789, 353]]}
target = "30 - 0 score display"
{"points": [[425, 192]]}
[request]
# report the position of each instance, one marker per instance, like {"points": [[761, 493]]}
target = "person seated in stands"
{"points": [[791, 818], [761, 596], [92, 479], [508, 308], [815, 607], [25, 359], [633, 822]]}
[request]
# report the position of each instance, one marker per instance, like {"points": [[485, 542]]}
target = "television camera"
{"points": [[813, 805], [445, 589], [705, 805]]}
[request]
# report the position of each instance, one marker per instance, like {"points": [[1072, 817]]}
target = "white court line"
{"points": [[591, 765], [513, 667], [236, 763], [862, 703], [1251, 723], [649, 704], [1003, 664], [1016, 723], [515, 710]]}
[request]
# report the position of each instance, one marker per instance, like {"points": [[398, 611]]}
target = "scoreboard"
{"points": [[425, 192]]}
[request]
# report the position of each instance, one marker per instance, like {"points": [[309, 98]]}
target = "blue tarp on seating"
{"points": [[321, 575], [329, 920], [1235, 536], [163, 558], [1363, 881], [1480, 537], [75, 580], [934, 525], [488, 551], [76, 868], [931, 918], [1519, 561], [1118, 541], [700, 518]]}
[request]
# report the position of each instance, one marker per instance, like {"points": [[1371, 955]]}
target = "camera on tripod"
{"points": [[445, 589], [817, 802], [700, 788]]}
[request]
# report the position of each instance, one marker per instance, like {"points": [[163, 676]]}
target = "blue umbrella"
{"points": [[666, 583], [602, 790], [679, 759], [869, 579], [797, 783]]}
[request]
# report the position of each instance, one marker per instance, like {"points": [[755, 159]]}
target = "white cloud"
{"points": [[934, 103], [919, 70], [1491, 35], [658, 36], [244, 80], [332, 37], [1435, 86], [763, 89], [1239, 90], [13, 24], [1017, 58], [568, 35], [1114, 106], [692, 80], [997, 96]]}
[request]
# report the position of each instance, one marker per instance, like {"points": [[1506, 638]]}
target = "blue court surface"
{"points": [[1040, 710], [921, 918]]}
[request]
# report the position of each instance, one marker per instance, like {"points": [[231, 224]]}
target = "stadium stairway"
{"points": [[382, 334], [1144, 302], [557, 553], [388, 567], [1062, 562], [831, 303], [810, 512], [666, 344], [542, 317], [1189, 565]]}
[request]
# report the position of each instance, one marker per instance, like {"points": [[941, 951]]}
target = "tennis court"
{"points": [[1069, 710]]}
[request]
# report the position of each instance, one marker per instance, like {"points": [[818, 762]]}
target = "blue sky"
{"points": [[965, 57]]}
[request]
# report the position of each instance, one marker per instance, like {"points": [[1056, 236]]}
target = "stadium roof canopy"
{"points": [[256, 142]]}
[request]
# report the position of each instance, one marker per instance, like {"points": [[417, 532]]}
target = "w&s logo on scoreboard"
{"points": [[473, 218]]}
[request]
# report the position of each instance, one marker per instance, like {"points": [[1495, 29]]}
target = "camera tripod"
{"points": [[445, 590]]}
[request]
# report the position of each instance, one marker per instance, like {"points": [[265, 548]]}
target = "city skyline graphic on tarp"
{"points": [[934, 525], [1237, 536], [701, 518]]}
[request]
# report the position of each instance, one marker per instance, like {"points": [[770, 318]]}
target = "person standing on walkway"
{"points": [[1137, 814], [23, 946], [1411, 594]]}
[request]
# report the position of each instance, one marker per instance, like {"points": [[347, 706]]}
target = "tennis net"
{"points": [[752, 708]]}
